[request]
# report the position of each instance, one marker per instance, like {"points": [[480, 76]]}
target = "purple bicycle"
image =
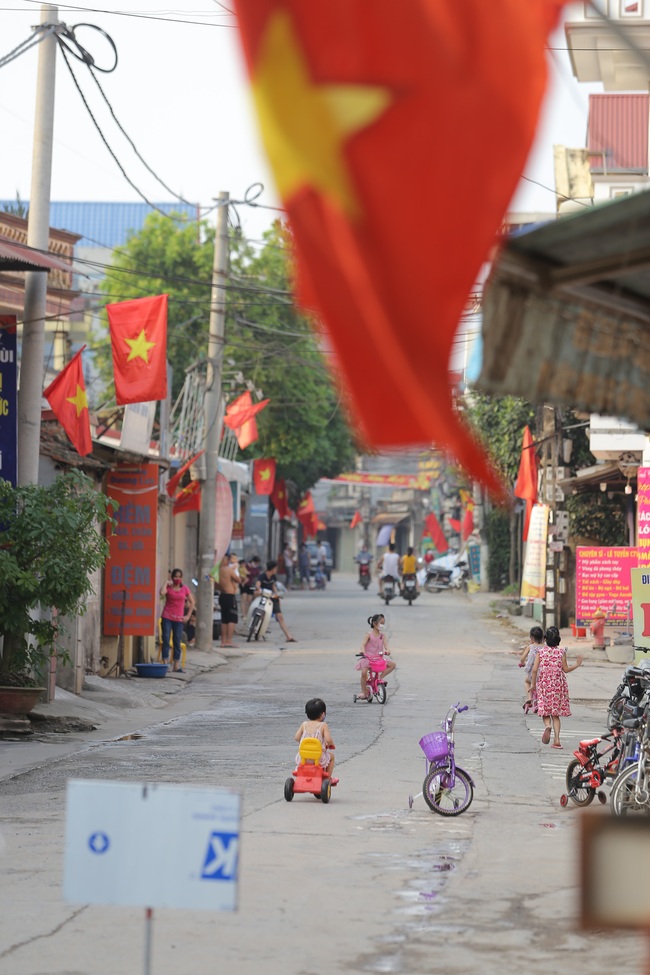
{"points": [[447, 789]]}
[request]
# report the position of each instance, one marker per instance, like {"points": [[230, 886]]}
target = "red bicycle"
{"points": [[587, 772]]}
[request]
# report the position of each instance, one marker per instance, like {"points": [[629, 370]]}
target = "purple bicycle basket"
{"points": [[435, 746]]}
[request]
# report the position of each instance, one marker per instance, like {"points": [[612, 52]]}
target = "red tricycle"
{"points": [[309, 775]]}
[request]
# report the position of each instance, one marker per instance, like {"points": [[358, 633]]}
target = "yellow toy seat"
{"points": [[171, 649], [310, 751]]}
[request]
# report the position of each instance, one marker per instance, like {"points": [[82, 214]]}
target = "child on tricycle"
{"points": [[314, 761]]}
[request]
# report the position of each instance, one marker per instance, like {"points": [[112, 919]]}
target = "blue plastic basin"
{"points": [[151, 670]]}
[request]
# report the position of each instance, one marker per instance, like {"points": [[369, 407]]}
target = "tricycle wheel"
{"points": [[288, 789], [564, 800], [326, 790]]}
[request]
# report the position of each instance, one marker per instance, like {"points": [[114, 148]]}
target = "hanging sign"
{"points": [[603, 581], [8, 403], [533, 584]]}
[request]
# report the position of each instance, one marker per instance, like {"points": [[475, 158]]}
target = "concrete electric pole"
{"points": [[213, 419], [38, 233]]}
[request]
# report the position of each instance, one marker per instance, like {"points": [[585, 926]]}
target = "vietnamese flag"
{"points": [[279, 498], [67, 396], [240, 418], [139, 342], [176, 479], [435, 531], [306, 506], [467, 526], [264, 475], [356, 519], [397, 136], [188, 498], [526, 483]]}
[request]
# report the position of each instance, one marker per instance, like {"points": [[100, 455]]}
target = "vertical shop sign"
{"points": [[130, 576], [643, 517], [8, 405], [533, 584]]}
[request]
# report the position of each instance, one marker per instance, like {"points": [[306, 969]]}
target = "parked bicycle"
{"points": [[631, 788], [592, 765], [447, 788]]}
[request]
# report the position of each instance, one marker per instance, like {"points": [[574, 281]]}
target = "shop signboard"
{"points": [[603, 581]]}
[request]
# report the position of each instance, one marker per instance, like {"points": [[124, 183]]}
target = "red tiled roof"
{"points": [[617, 133], [19, 257]]}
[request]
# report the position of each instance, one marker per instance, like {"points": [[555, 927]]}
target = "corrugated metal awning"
{"points": [[566, 317], [19, 257], [389, 518]]}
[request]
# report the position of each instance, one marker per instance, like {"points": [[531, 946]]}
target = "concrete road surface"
{"points": [[363, 884]]}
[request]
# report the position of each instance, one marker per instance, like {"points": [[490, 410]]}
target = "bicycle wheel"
{"points": [[433, 769], [447, 799], [380, 693], [578, 793], [623, 799]]}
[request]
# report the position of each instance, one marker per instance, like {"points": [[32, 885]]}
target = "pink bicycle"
{"points": [[376, 686]]}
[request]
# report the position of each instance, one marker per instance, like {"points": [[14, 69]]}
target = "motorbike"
{"points": [[259, 615], [389, 589], [364, 574], [409, 589], [632, 690], [448, 572]]}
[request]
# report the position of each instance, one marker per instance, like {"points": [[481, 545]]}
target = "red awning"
{"points": [[19, 257]]}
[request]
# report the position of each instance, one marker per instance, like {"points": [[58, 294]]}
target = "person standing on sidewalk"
{"points": [[179, 606], [267, 581], [228, 586], [550, 684], [303, 566]]}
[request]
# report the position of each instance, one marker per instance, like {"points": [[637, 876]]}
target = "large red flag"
{"points": [[139, 342], [435, 531], [67, 396], [176, 479], [377, 128], [188, 498], [279, 498], [526, 483], [264, 475]]}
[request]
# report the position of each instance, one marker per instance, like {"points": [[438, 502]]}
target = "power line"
{"points": [[125, 13]]}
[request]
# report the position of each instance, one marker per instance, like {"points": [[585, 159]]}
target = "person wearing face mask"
{"points": [[375, 650], [179, 604]]}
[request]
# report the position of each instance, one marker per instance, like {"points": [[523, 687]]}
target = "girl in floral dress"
{"points": [[550, 684]]}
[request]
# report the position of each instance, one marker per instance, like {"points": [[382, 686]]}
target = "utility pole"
{"points": [[213, 421], [38, 232]]}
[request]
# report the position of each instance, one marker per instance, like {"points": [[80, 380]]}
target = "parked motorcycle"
{"points": [[632, 690], [448, 572], [389, 589], [259, 615], [364, 574], [409, 588]]}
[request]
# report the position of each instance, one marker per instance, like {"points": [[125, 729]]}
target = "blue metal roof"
{"points": [[105, 224]]}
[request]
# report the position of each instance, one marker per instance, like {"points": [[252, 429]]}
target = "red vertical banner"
{"points": [[643, 516], [130, 572]]}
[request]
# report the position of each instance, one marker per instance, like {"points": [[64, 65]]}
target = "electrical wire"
{"points": [[132, 14], [40, 33]]}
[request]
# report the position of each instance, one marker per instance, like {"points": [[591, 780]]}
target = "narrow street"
{"points": [[363, 884]]}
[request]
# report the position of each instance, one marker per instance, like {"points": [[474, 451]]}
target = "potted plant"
{"points": [[50, 542]]}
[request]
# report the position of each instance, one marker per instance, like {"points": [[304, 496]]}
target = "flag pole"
{"points": [[213, 420]]}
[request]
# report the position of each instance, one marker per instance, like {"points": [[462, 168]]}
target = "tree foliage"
{"points": [[500, 422], [269, 344], [49, 546]]}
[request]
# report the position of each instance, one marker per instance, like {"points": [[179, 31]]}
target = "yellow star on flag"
{"points": [[79, 400], [139, 347], [305, 124], [265, 474]]}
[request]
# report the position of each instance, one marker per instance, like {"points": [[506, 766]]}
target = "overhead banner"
{"points": [[420, 481], [130, 572], [603, 581], [533, 584], [643, 516], [8, 404]]}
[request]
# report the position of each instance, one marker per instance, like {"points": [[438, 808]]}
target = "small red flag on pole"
{"points": [[66, 394]]}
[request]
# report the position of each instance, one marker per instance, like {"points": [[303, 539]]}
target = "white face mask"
{"points": [[381, 627]]}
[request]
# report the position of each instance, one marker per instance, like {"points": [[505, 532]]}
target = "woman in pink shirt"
{"points": [[179, 603]]}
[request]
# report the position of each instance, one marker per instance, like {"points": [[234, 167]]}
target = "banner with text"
{"points": [[603, 581], [533, 583], [641, 606], [130, 574], [8, 406], [643, 516]]}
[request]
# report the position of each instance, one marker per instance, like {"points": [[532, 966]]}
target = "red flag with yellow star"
{"points": [[397, 136], [67, 396], [279, 498], [240, 418], [139, 342], [264, 475]]}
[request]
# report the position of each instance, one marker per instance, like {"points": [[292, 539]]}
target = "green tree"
{"points": [[49, 546], [268, 341]]}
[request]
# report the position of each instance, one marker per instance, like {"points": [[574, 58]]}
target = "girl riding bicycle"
{"points": [[374, 649]]}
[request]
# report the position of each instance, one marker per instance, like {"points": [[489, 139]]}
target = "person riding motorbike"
{"points": [[388, 566], [408, 567], [363, 559]]}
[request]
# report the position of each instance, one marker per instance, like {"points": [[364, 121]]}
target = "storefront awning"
{"points": [[389, 518], [566, 316]]}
